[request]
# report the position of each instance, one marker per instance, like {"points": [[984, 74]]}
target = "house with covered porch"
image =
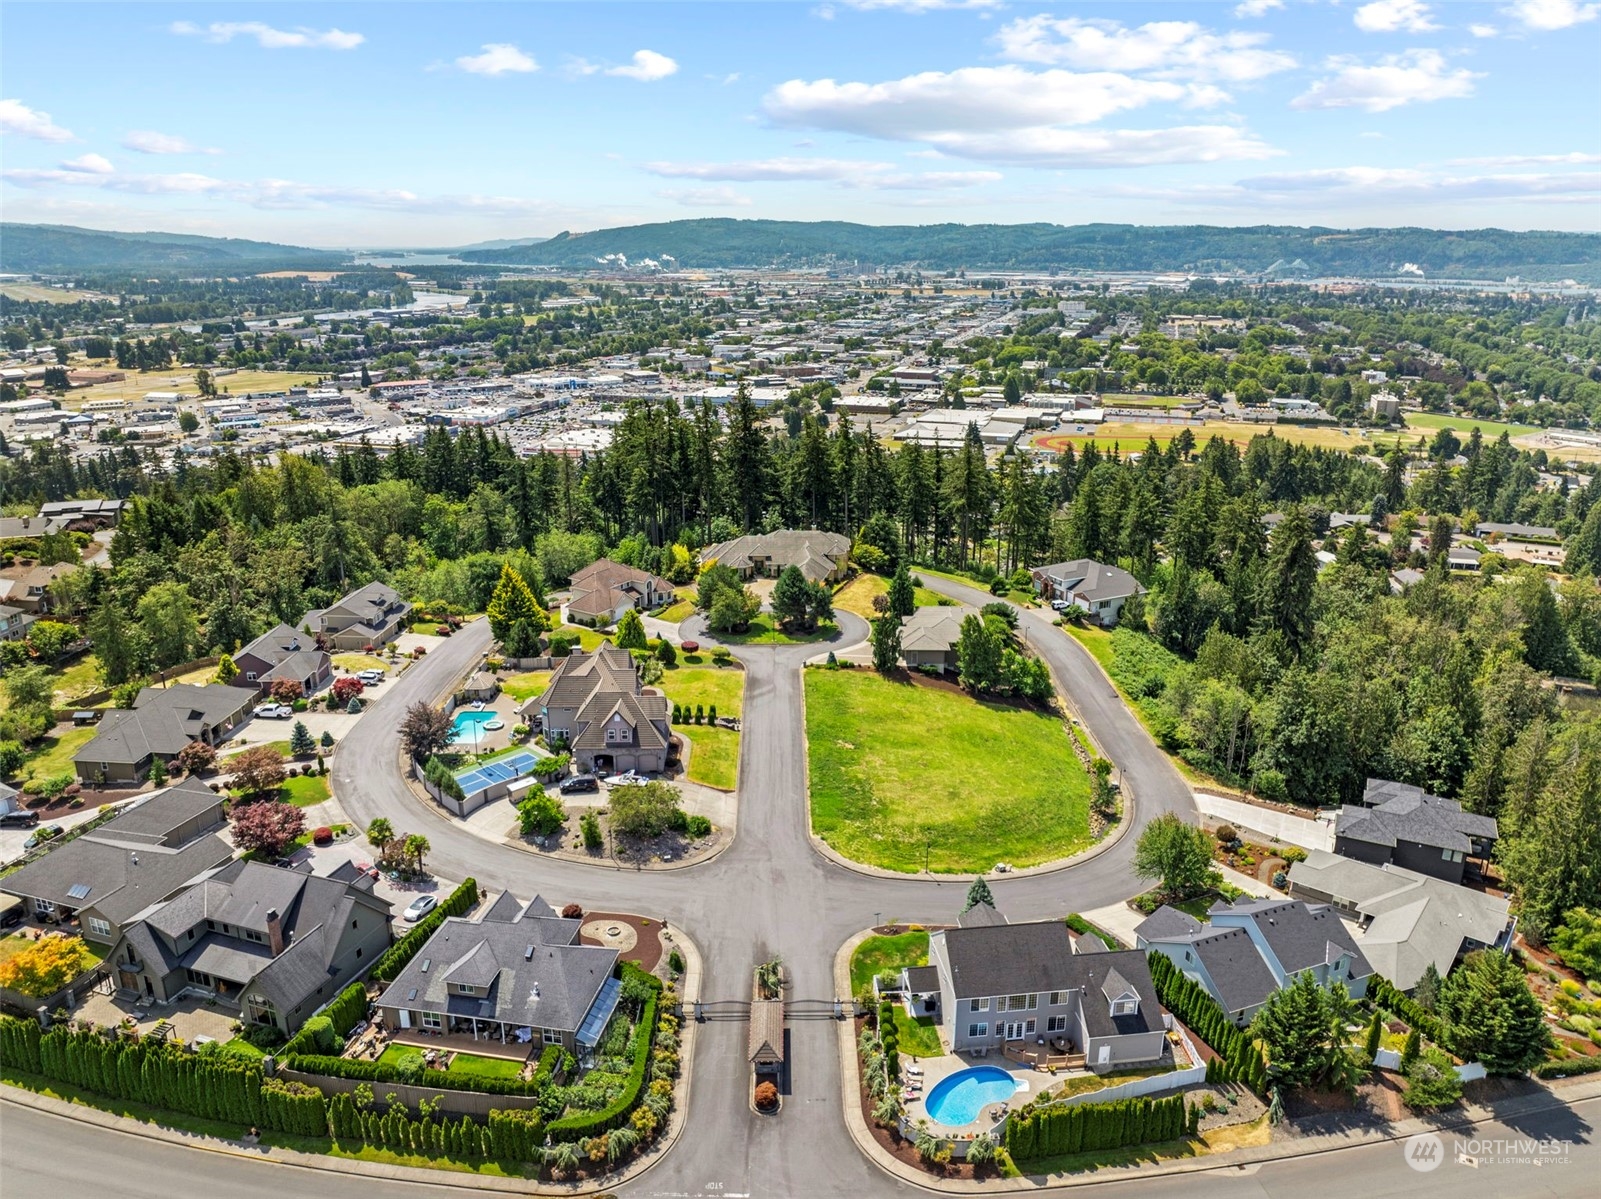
{"points": [[515, 975]]}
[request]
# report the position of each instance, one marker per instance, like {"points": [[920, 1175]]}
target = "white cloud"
{"points": [[847, 172], [1418, 76], [16, 117], [497, 58], [1393, 16], [1163, 49], [89, 164], [1546, 15], [647, 67], [706, 197], [1403, 184], [927, 180], [300, 38], [1095, 148], [148, 141], [1484, 30], [1576, 158], [1256, 8]]}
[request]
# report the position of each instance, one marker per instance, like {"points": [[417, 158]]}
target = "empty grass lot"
{"points": [[714, 752], [857, 596], [525, 686], [900, 770], [54, 754], [886, 955]]}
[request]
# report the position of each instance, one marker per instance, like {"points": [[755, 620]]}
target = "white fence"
{"points": [[1390, 1059], [1170, 1081], [1284, 826]]}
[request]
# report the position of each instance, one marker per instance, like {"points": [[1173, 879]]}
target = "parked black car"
{"points": [[580, 782], [21, 818]]}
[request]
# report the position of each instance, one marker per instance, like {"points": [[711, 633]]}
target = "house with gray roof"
{"points": [[282, 653], [372, 615], [595, 703], [821, 557], [1516, 532], [161, 722], [1404, 921], [269, 943], [107, 876], [514, 973], [1014, 986], [1247, 950], [1097, 588], [1397, 823], [929, 635]]}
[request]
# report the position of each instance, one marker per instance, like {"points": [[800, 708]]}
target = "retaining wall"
{"points": [[1304, 831]]}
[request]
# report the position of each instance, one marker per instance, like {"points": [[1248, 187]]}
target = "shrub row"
{"points": [[440, 1080], [395, 1128], [344, 1012], [1568, 1067], [589, 1124], [1383, 994], [1091, 1127], [402, 951], [1189, 1002], [548, 1061], [1085, 929]]}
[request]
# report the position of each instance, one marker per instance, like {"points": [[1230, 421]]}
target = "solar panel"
{"points": [[78, 891]]}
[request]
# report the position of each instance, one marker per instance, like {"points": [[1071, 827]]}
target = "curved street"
{"points": [[770, 893]]}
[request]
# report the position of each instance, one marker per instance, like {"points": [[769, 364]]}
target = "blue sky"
{"points": [[440, 124]]}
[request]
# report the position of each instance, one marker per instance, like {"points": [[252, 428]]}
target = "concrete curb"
{"points": [[459, 1180]]}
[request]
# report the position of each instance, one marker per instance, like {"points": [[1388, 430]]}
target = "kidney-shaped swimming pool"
{"points": [[958, 1098]]}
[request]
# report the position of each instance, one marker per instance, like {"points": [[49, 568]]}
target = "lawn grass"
{"points": [[588, 639], [884, 955], [1131, 436], [53, 755], [857, 596], [424, 628], [681, 610], [1488, 429], [12, 945], [305, 791], [764, 630], [1096, 640], [461, 1064], [240, 1047], [355, 663], [138, 383], [1080, 1084], [79, 677], [525, 686], [714, 752], [902, 773], [239, 743]]}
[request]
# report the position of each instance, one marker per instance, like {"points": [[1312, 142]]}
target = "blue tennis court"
{"points": [[501, 770]]}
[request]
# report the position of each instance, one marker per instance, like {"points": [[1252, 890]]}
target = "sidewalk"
{"points": [[1569, 1093]]}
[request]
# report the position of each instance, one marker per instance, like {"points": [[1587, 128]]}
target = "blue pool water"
{"points": [[959, 1098], [461, 726]]}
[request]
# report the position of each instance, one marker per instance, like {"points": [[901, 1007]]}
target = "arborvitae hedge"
{"points": [[1382, 993], [588, 1124], [402, 951], [433, 1080], [1052, 1130], [1189, 1002], [344, 1013]]}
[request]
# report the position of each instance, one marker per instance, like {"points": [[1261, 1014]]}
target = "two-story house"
{"points": [[1006, 984], [516, 972], [1402, 825], [372, 615], [1097, 588], [282, 653], [602, 591], [596, 704], [272, 943], [1250, 949]]}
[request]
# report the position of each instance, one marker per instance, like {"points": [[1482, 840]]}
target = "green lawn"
{"points": [[358, 662], [588, 639], [900, 770], [53, 755], [886, 955], [78, 677], [764, 630], [1488, 429], [12, 945], [679, 611], [462, 1063], [1096, 640], [306, 790], [525, 686], [714, 756], [240, 1047], [857, 596]]}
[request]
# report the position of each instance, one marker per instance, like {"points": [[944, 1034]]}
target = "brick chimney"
{"points": [[275, 932]]}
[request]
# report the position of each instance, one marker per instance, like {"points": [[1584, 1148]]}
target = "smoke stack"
{"points": [[275, 932]]}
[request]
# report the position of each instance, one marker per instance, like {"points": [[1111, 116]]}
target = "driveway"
{"points": [[13, 839]]}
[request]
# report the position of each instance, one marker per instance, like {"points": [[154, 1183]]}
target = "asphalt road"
{"points": [[54, 1165]]}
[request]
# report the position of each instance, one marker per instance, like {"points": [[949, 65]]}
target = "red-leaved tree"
{"points": [[268, 825], [257, 770], [346, 688], [287, 691]]}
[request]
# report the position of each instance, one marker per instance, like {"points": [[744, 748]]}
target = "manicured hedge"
{"points": [[395, 1128], [548, 1061], [1568, 1067], [1189, 1002], [402, 951], [1383, 993], [1092, 1127], [433, 1080], [588, 1124], [344, 1013]]}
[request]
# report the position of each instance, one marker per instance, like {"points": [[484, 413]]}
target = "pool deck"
{"points": [[936, 1069], [504, 709]]}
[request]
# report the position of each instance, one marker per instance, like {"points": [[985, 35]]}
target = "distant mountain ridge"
{"points": [[726, 242], [66, 249]]}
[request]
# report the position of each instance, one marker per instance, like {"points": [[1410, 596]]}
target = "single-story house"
{"points": [[371, 615], [821, 557], [516, 972], [929, 635], [161, 722], [602, 591], [481, 686], [283, 653], [14, 527], [1099, 589], [1002, 984], [272, 943], [1250, 949], [99, 512], [1404, 920], [1403, 825], [108, 875], [596, 704], [1515, 532]]}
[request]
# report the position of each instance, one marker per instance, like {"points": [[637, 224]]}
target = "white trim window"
{"points": [[978, 1030], [552, 1036], [980, 1005], [1126, 1007], [1058, 998], [99, 927], [430, 1020], [1056, 1024]]}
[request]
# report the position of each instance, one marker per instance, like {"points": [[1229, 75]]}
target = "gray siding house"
{"points": [[282, 653], [161, 722], [371, 615], [1402, 825], [1097, 588], [596, 704], [1024, 984]]}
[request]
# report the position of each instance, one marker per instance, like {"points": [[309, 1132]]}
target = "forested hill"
{"points": [[723, 242], [67, 249]]}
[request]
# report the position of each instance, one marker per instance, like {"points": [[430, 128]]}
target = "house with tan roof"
{"points": [[821, 557], [929, 635], [595, 703], [369, 616], [602, 591]]}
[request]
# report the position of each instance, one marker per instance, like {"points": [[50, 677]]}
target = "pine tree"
{"points": [[902, 594], [887, 643], [513, 601], [301, 740]]}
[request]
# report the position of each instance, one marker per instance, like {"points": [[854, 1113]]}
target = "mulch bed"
{"points": [[92, 798], [903, 1150], [647, 950]]}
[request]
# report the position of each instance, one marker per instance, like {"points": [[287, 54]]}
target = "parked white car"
{"points": [[1060, 605], [371, 678], [275, 711]]}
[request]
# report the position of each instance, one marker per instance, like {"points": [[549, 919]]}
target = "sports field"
{"points": [[1132, 435]]}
